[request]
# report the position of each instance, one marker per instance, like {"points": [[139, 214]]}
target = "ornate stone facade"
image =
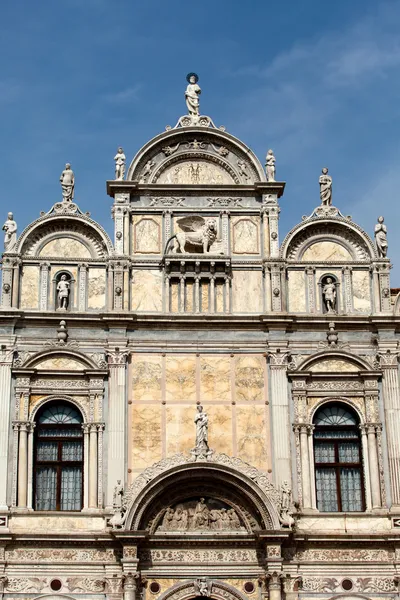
{"points": [[197, 309]]}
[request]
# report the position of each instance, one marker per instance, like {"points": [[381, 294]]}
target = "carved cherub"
{"points": [[197, 231]]}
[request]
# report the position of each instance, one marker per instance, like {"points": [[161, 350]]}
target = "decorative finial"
{"points": [[381, 238], [332, 336], [270, 165], [120, 159], [10, 236], [67, 180], [325, 184], [62, 333], [192, 94]]}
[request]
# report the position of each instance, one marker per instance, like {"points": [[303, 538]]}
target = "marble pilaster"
{"points": [[6, 358], [280, 416]]}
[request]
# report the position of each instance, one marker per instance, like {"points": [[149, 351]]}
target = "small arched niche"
{"points": [[63, 291]]}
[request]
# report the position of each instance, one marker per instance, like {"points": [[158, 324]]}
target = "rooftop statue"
{"points": [[120, 159], [192, 94], [10, 228], [67, 180], [380, 238], [325, 184], [270, 165]]}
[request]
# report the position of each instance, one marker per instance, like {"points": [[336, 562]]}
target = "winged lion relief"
{"points": [[198, 235]]}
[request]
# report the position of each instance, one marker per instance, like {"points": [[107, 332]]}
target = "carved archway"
{"points": [[217, 590]]}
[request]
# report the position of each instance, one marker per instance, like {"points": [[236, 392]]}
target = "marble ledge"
{"points": [[134, 188]]}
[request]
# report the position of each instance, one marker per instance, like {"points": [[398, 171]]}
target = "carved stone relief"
{"points": [[195, 172], [201, 515]]}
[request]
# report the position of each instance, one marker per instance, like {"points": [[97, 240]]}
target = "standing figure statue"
{"points": [[270, 165], [380, 238], [67, 180], [120, 159], [118, 495], [63, 293], [325, 185], [10, 228], [329, 295], [192, 94], [286, 511], [201, 421]]}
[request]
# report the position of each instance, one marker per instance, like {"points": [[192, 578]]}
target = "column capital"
{"points": [[117, 358], [279, 358], [388, 359]]}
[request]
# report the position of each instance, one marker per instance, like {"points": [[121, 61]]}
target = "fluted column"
{"points": [[391, 403], [6, 358], [116, 459], [280, 416], [23, 464], [93, 462], [303, 431], [373, 465]]}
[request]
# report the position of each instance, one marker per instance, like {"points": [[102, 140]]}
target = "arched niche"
{"points": [[189, 482]]}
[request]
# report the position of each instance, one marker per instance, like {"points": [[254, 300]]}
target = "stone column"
{"points": [[391, 403], [303, 431], [290, 586], [23, 464], [373, 465], [132, 582], [197, 293], [117, 403], [364, 448], [44, 285], [93, 459], [212, 293], [86, 429], [6, 358], [280, 417], [275, 585], [130, 587], [15, 283], [30, 465]]}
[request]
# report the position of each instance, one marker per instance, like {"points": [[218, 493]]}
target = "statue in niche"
{"points": [[192, 95], [197, 232], [201, 515], [202, 587], [63, 289], [201, 421], [10, 236], [120, 159], [381, 238], [329, 295], [270, 165], [67, 180], [325, 188]]}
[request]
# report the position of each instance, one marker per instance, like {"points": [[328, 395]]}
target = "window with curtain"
{"points": [[337, 455], [58, 458]]}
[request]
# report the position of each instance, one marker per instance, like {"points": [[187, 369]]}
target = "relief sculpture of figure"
{"points": [[325, 185], [381, 238], [201, 515], [120, 159], [270, 165], [329, 295], [201, 421], [67, 179], [197, 231], [63, 293], [118, 495], [192, 94], [10, 228]]}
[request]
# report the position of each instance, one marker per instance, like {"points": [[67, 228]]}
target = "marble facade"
{"points": [[231, 319]]}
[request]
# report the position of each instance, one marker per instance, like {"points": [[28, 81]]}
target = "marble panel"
{"points": [[215, 378], [334, 365], [195, 172], [180, 376], [30, 287], [146, 234], [146, 377], [205, 296], [219, 297], [97, 288], [65, 248], [325, 250], [249, 378], [361, 292], [146, 436], [247, 291], [180, 429], [146, 290], [60, 363], [297, 291], [59, 522], [220, 428], [245, 235], [251, 435], [189, 296]]}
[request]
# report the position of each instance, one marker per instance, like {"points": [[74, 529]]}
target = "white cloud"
{"points": [[130, 94]]}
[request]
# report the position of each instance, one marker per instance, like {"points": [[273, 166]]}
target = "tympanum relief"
{"points": [[201, 515], [195, 172]]}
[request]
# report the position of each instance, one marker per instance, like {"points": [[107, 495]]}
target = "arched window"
{"points": [[58, 464], [337, 456]]}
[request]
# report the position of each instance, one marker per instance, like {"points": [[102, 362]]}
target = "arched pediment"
{"points": [[329, 239], [217, 590], [195, 155], [65, 232], [59, 359], [222, 482], [339, 361]]}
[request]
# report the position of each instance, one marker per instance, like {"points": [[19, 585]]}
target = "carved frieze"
{"points": [[248, 555], [60, 555]]}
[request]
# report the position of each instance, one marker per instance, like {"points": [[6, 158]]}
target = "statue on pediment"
{"points": [[270, 161], [381, 238], [10, 229], [192, 94], [67, 180], [120, 159], [325, 186]]}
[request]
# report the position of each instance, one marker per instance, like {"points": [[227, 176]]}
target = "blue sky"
{"points": [[317, 82]]}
